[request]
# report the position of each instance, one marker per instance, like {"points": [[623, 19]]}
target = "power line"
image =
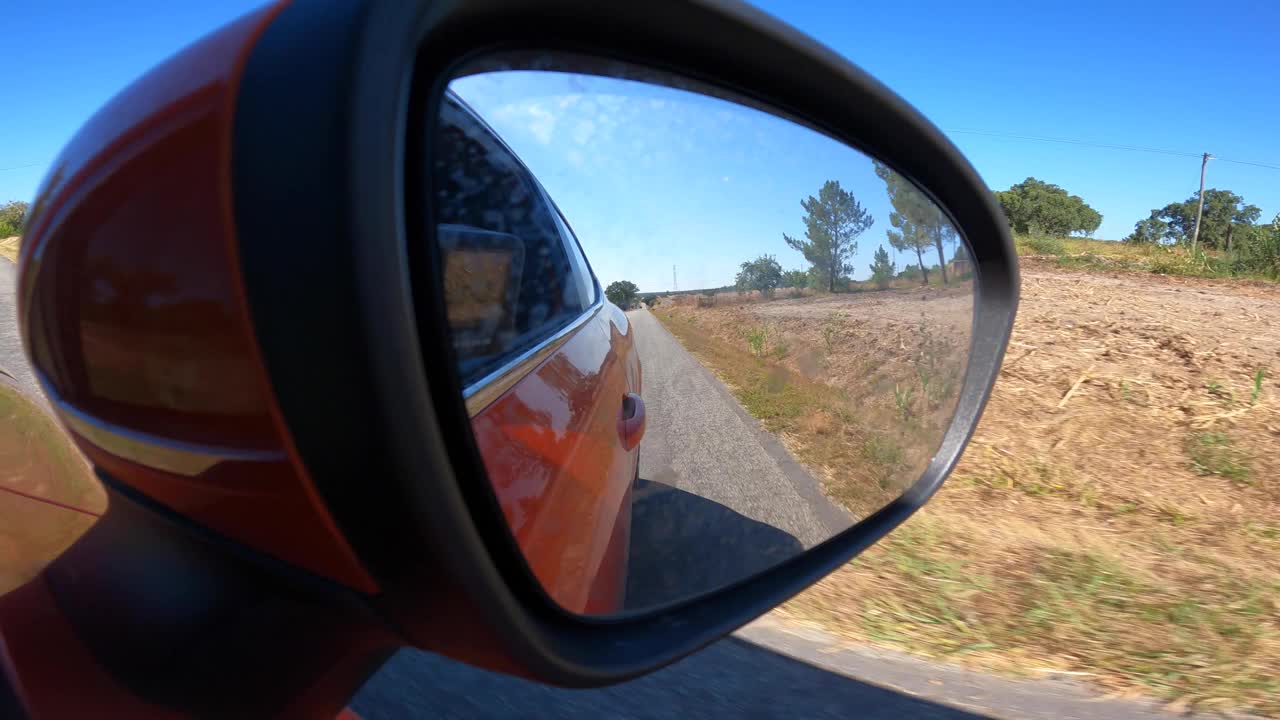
{"points": [[1248, 162], [1108, 146], [19, 167], [1041, 138]]}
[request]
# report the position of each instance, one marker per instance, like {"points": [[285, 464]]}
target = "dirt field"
{"points": [[1117, 515]]}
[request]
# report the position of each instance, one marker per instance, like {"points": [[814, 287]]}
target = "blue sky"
{"points": [[650, 177], [1173, 75]]}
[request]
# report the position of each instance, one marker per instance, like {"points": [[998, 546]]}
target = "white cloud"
{"points": [[542, 123], [583, 131]]}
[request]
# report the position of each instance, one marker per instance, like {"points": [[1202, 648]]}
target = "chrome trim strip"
{"points": [[481, 393], [173, 456]]}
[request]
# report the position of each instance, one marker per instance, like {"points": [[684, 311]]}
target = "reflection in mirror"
{"points": [[696, 338]]}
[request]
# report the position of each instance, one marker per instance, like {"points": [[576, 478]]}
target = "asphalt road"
{"points": [[719, 498], [731, 679], [769, 669]]}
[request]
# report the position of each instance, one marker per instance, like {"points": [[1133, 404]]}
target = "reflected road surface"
{"points": [[700, 440], [731, 679], [719, 499]]}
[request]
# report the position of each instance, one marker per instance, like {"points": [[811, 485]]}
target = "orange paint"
{"points": [[134, 314], [554, 454]]}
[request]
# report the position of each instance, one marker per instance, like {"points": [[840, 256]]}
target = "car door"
{"points": [[547, 365]]}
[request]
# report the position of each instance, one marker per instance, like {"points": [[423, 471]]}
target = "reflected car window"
{"points": [[513, 275]]}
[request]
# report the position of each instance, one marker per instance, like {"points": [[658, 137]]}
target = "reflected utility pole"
{"points": [[1195, 234]]}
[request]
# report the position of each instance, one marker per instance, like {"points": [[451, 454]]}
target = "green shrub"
{"points": [[1258, 252], [757, 338], [1181, 261], [1045, 244], [13, 215]]}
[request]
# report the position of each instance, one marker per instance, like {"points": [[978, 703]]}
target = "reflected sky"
{"points": [[652, 177]]}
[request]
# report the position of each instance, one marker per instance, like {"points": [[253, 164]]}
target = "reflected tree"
{"points": [[917, 222], [763, 274], [882, 268], [832, 223]]}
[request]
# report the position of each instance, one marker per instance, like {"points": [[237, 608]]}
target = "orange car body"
{"points": [[563, 464]]}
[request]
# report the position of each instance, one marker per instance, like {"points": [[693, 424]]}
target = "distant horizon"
{"points": [[732, 286]]}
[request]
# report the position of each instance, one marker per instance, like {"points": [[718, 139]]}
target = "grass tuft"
{"points": [[1214, 453]]}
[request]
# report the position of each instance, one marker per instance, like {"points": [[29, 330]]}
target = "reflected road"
{"points": [[699, 439], [719, 499]]}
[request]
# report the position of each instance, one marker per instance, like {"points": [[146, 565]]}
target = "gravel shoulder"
{"points": [[13, 360]]}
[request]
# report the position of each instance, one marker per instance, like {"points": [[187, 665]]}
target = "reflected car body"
{"points": [[561, 467], [559, 419]]}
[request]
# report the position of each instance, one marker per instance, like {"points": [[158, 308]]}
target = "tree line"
{"points": [[1228, 224], [834, 220]]}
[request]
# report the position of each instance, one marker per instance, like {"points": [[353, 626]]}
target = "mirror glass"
{"points": [[696, 338]]}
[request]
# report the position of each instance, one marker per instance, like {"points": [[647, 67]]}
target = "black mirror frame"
{"points": [[328, 159]]}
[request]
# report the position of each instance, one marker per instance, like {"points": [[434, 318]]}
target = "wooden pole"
{"points": [[1195, 235]]}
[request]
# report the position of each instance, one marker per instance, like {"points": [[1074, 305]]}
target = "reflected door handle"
{"points": [[631, 421]]}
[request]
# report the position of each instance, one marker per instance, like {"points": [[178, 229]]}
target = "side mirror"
{"points": [[300, 294]]}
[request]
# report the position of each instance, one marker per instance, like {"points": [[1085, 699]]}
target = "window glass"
{"points": [[513, 273], [583, 286]]}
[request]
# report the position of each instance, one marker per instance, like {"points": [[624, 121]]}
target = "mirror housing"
{"points": [[315, 112]]}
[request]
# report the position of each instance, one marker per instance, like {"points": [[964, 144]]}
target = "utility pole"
{"points": [[1195, 235], [674, 286]]}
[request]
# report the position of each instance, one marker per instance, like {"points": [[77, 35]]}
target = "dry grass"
{"points": [[801, 411], [1118, 511], [1070, 246], [720, 298], [858, 386], [9, 248], [1087, 255]]}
